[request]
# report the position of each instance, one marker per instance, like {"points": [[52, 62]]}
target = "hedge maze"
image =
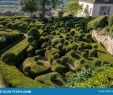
{"points": [[55, 52]]}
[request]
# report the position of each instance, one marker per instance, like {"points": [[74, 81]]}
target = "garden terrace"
{"points": [[52, 51]]}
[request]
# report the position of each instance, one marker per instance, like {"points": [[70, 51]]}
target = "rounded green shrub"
{"points": [[37, 58], [81, 31], [88, 36], [64, 60], [30, 39], [74, 46], [63, 51], [34, 43], [59, 46], [56, 56], [68, 48], [60, 68], [92, 53], [95, 46], [49, 48], [84, 54], [9, 25], [40, 52], [31, 51], [55, 41], [44, 45], [82, 61], [39, 62], [87, 46], [97, 63], [33, 32], [15, 26], [66, 43], [62, 40], [67, 38], [8, 58], [72, 33], [74, 54], [56, 62]]}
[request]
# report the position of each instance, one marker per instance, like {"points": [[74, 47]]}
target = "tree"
{"points": [[45, 6], [29, 6], [72, 7]]}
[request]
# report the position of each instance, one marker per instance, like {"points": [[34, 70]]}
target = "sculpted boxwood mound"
{"points": [[14, 78]]}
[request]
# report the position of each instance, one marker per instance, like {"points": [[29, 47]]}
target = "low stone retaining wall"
{"points": [[104, 40]]}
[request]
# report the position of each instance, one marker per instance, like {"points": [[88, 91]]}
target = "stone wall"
{"points": [[104, 40]]}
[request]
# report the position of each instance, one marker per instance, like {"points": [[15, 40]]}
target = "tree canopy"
{"points": [[43, 6], [72, 7], [29, 6]]}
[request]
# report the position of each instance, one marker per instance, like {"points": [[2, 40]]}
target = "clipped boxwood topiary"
{"points": [[82, 61], [34, 33], [92, 53], [97, 63], [60, 46], [56, 62], [49, 79], [39, 62], [37, 58], [95, 46], [74, 46], [64, 60], [66, 43], [72, 33], [56, 56], [60, 68], [84, 54], [74, 54], [9, 25], [40, 52], [30, 39], [62, 40], [44, 45], [8, 58]]}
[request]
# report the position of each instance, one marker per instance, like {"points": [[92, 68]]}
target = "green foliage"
{"points": [[99, 22], [33, 68], [19, 50], [29, 6], [110, 20], [11, 36], [72, 7], [14, 78], [97, 63], [59, 68], [82, 61], [102, 79], [92, 53], [30, 51], [84, 54], [33, 32], [8, 58], [50, 79]]}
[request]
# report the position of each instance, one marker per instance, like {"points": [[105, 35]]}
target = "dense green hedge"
{"points": [[99, 22], [14, 78], [110, 20], [11, 36], [50, 79], [19, 50]]}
